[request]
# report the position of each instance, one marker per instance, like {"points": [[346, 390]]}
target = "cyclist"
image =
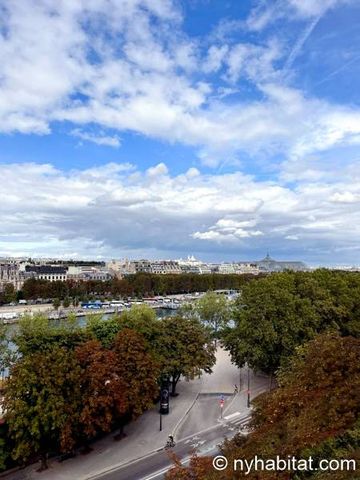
{"points": [[170, 443]]}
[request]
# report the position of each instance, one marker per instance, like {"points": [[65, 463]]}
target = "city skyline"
{"points": [[187, 258], [180, 127]]}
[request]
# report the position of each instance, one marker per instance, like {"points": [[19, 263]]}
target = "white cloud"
{"points": [[158, 170], [138, 78], [229, 229], [47, 211], [266, 13], [208, 236], [313, 8], [261, 15], [192, 172], [255, 62], [345, 197], [98, 139], [215, 57]]}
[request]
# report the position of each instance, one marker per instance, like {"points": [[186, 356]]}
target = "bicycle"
{"points": [[170, 443]]}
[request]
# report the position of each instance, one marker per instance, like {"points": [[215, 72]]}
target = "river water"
{"points": [[81, 321]]}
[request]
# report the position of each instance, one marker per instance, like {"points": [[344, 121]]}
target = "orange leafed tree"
{"points": [[137, 370], [104, 395]]}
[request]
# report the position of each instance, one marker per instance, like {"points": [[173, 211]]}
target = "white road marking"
{"points": [[164, 470], [236, 414]]}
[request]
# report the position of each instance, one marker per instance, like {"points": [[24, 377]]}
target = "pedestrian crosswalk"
{"points": [[237, 423], [206, 443]]}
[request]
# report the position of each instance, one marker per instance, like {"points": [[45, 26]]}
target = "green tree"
{"points": [[3, 454], [140, 318], [39, 334], [213, 310], [7, 355], [271, 320], [56, 303], [140, 284], [42, 400], [66, 302], [9, 293], [143, 319], [187, 349], [104, 330]]}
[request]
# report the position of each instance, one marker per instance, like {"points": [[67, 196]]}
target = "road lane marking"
{"points": [[164, 470], [236, 414]]}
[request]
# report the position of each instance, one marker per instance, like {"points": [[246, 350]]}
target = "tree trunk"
{"points": [[174, 381], [270, 382], [43, 462], [120, 435]]}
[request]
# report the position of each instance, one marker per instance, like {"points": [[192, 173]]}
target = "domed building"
{"points": [[268, 264]]}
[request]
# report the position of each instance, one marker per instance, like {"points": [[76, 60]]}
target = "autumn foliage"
{"points": [[314, 412], [103, 388], [137, 369], [68, 384], [62, 397]]}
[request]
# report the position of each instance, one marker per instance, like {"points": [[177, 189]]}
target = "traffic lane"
{"points": [[205, 413], [149, 466], [155, 466]]}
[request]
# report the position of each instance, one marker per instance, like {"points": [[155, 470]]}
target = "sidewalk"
{"points": [[238, 403], [143, 437], [224, 376], [206, 411]]}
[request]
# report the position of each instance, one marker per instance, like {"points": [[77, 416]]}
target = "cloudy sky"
{"points": [[161, 128]]}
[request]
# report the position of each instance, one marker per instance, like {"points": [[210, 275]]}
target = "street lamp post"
{"points": [[164, 400], [248, 386]]}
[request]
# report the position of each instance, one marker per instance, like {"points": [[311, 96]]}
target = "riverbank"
{"points": [[12, 314]]}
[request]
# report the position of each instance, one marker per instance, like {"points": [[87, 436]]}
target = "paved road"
{"points": [[154, 467], [26, 308], [224, 376], [204, 414], [206, 411], [143, 436]]}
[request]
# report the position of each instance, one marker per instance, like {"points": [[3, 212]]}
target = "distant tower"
{"points": [[268, 258]]}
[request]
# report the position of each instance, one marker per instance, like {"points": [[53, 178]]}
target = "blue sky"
{"points": [[161, 128]]}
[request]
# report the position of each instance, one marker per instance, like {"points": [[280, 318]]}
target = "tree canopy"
{"points": [[314, 412], [137, 369], [212, 309], [37, 333], [188, 349], [102, 386], [139, 285], [277, 313], [42, 396]]}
